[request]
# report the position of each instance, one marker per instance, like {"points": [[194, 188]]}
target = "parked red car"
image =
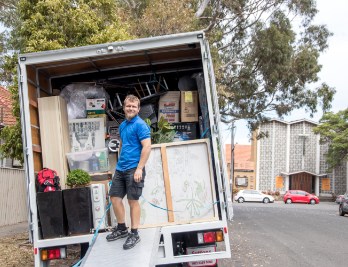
{"points": [[299, 196]]}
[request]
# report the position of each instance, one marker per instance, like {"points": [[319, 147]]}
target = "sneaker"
{"points": [[117, 234], [131, 241]]}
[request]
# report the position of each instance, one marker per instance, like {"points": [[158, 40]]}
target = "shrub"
{"points": [[78, 178]]}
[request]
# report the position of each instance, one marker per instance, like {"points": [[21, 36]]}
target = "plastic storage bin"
{"points": [[91, 161]]}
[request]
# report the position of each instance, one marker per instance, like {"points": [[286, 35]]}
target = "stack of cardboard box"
{"points": [[184, 103]]}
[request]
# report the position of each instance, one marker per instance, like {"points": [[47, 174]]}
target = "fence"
{"points": [[13, 196]]}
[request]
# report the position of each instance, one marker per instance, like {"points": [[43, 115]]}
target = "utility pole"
{"points": [[232, 159]]}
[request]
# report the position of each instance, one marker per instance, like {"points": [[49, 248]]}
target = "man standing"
{"points": [[135, 148]]}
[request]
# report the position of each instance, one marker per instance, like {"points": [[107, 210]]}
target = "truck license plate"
{"points": [[199, 250]]}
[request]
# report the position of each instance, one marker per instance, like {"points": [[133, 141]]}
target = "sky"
{"points": [[333, 14]]}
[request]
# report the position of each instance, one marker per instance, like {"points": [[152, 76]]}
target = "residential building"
{"points": [[244, 171], [6, 119]]}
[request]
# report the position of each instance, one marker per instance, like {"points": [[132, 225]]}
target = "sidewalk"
{"points": [[17, 228]]}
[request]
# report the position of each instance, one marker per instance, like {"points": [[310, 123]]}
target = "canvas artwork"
{"points": [[191, 182], [178, 184]]}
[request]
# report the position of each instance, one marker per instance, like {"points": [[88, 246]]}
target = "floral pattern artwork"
{"points": [[154, 192], [189, 166], [192, 196]]}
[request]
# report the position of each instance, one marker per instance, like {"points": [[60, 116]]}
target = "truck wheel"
{"points": [[240, 200]]}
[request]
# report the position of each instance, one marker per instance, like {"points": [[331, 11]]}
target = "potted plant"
{"points": [[78, 178], [164, 133], [78, 203]]}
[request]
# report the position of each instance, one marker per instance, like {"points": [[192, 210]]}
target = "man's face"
{"points": [[131, 109]]}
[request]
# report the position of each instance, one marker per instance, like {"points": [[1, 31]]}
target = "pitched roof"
{"points": [[242, 156], [6, 116], [295, 121]]}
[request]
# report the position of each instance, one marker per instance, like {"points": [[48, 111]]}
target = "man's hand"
{"points": [[138, 175]]}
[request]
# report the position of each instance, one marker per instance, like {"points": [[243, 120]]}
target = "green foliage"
{"points": [[162, 17], [164, 134], [48, 25], [279, 64], [78, 178], [12, 142], [333, 129], [11, 135], [55, 24]]}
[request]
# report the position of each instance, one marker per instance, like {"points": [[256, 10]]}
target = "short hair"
{"points": [[131, 98]]}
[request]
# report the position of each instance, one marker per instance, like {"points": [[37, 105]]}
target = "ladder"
{"points": [[221, 166]]}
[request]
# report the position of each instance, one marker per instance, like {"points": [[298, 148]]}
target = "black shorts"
{"points": [[123, 184]]}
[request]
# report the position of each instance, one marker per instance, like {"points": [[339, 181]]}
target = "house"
{"points": [[6, 119], [244, 166]]}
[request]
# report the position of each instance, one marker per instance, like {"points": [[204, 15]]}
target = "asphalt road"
{"points": [[279, 234]]}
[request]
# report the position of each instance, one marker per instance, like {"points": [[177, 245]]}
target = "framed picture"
{"points": [[86, 134]]}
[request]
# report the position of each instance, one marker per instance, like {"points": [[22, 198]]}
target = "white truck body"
{"points": [[180, 54]]}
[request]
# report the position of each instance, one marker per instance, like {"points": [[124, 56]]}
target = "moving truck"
{"points": [[186, 201]]}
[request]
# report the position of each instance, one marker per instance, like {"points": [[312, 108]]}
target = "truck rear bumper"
{"points": [[165, 252]]}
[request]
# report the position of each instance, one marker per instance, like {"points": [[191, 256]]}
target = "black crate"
{"points": [[185, 131]]}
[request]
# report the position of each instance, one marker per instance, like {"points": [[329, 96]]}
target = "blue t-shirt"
{"points": [[132, 133]]}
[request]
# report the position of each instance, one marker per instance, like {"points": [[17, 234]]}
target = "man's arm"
{"points": [[145, 152], [144, 156]]}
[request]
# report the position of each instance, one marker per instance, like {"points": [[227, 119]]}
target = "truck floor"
{"points": [[104, 253]]}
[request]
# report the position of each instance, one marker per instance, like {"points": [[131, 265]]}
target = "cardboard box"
{"points": [[96, 113], [95, 104], [189, 106], [185, 131], [169, 106]]}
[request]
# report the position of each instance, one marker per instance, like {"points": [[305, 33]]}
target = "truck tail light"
{"points": [[219, 236], [210, 237], [53, 253]]}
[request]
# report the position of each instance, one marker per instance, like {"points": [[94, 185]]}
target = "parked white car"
{"points": [[253, 195]]}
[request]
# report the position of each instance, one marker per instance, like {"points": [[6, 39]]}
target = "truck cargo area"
{"points": [[186, 199]]}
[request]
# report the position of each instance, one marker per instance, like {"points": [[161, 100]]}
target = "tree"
{"points": [[333, 129], [165, 17], [56, 24], [280, 66], [47, 25]]}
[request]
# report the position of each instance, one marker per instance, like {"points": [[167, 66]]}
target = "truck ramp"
{"points": [[104, 253]]}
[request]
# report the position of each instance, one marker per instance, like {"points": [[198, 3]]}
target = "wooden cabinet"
{"points": [[54, 132]]}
